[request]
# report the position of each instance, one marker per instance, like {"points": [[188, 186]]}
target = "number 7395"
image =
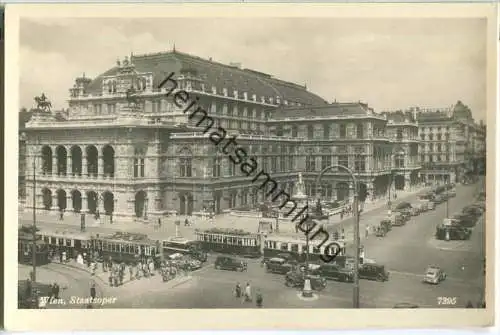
{"points": [[447, 300]]}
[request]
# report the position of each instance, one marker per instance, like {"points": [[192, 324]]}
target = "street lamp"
{"points": [[355, 297], [307, 290]]}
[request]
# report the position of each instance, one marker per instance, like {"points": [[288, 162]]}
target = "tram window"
{"points": [[69, 243], [240, 241], [46, 239], [284, 246], [294, 247]]}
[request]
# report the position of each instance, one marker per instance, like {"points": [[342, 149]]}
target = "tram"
{"points": [[230, 241], [127, 247], [295, 249], [25, 248], [72, 242]]}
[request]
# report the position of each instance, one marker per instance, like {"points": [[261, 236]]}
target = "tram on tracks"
{"points": [[128, 247], [295, 249], [230, 241], [72, 242], [25, 242]]}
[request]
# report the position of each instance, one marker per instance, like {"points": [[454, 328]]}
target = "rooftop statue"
{"points": [[42, 103], [132, 96]]}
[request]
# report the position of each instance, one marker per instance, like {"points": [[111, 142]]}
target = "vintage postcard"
{"points": [[250, 166]]}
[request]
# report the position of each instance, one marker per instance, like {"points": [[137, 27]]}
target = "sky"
{"points": [[388, 63]]}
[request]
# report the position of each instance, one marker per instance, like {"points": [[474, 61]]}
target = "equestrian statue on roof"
{"points": [[42, 103]]}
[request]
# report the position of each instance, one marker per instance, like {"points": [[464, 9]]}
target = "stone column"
{"points": [[84, 166], [69, 166], [55, 206], [54, 164], [407, 182], [84, 204], [100, 164]]}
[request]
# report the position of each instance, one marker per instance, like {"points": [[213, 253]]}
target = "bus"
{"points": [[183, 246], [25, 248], [230, 241]]}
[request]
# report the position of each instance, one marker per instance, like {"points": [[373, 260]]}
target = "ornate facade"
{"points": [[125, 149]]}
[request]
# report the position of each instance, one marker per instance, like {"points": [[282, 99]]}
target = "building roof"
{"points": [[340, 110], [215, 74], [399, 116]]}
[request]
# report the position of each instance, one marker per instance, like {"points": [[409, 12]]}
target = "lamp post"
{"points": [[307, 290], [355, 297]]}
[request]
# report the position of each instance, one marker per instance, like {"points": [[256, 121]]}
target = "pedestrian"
{"points": [[248, 293], [367, 231], [186, 222], [131, 272], [61, 215], [258, 299], [342, 214], [92, 291], [237, 290], [56, 290], [159, 223]]}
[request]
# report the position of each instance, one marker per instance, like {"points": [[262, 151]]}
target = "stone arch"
{"points": [[399, 182], [76, 160], [47, 198], [61, 199], [76, 197], [140, 200], [92, 202], [342, 191], [108, 156], [62, 160], [108, 199], [186, 203], [217, 196], [92, 160], [46, 159]]}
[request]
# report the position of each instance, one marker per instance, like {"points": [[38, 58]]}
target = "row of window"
{"points": [[298, 247], [227, 239], [435, 158], [439, 137]]}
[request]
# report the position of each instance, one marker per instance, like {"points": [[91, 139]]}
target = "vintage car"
{"points": [[465, 220], [452, 230], [396, 219], [278, 265], [335, 272], [383, 228], [229, 263], [297, 279], [373, 272], [434, 275]]}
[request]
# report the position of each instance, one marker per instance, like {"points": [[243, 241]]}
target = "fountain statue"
{"points": [[300, 194]]}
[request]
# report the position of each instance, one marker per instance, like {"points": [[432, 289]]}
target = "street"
{"points": [[406, 252]]}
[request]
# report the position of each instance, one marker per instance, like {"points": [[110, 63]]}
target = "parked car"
{"points": [[278, 265], [434, 275], [334, 272], [230, 263], [454, 231], [297, 279], [473, 210], [465, 220], [373, 272]]}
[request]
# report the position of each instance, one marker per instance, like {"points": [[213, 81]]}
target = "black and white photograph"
{"points": [[252, 163]]}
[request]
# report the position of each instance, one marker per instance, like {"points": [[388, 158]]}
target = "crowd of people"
{"points": [[246, 295]]}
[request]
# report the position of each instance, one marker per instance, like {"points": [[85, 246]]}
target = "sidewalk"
{"points": [[71, 221], [143, 284]]}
